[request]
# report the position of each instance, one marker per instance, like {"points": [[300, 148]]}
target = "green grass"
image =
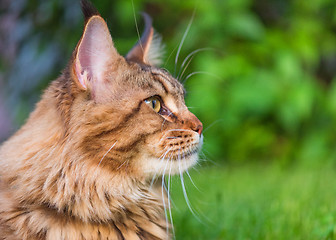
{"points": [[255, 202]]}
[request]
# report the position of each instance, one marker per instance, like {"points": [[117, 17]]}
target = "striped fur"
{"points": [[81, 167]]}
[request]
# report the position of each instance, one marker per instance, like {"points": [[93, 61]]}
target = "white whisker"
{"points": [[185, 68], [169, 206], [191, 107], [182, 130], [136, 26], [192, 180], [182, 41], [212, 124], [193, 53], [172, 130], [207, 159], [170, 55], [165, 120], [161, 160], [185, 193], [190, 55], [163, 186], [106, 153], [123, 164], [200, 72]]}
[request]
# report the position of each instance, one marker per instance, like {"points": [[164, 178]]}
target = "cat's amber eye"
{"points": [[154, 102]]}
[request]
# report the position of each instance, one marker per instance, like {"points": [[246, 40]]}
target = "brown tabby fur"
{"points": [[81, 166]]}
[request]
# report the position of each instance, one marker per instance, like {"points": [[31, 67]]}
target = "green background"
{"points": [[262, 84]]}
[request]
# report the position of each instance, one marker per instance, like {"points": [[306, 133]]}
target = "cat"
{"points": [[82, 165]]}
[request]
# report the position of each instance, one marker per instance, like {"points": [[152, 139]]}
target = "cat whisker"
{"points": [[190, 55], [187, 171], [185, 192], [170, 55], [169, 206], [201, 72], [165, 120], [123, 164], [164, 205], [177, 129], [183, 39], [163, 187], [193, 183], [172, 130], [161, 160], [212, 124], [206, 158], [201, 159], [185, 68], [192, 107], [106, 154], [136, 25], [172, 137]]}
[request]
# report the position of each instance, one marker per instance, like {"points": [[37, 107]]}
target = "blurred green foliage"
{"points": [[264, 86]]}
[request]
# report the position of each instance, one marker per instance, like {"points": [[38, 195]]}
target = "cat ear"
{"points": [[149, 48], [94, 51]]}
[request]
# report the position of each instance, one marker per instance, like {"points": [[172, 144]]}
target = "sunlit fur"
{"points": [[83, 165]]}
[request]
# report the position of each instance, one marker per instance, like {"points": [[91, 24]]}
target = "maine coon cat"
{"points": [[82, 165]]}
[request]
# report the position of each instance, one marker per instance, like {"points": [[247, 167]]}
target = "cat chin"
{"points": [[153, 166]]}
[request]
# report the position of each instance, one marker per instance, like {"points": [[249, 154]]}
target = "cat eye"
{"points": [[154, 102]]}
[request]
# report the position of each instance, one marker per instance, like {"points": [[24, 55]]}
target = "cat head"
{"points": [[129, 115]]}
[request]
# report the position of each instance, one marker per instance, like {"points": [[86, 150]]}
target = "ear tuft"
{"points": [[156, 50], [149, 48], [88, 10]]}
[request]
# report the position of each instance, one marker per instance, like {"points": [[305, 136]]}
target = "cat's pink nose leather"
{"points": [[197, 126], [199, 129], [194, 123]]}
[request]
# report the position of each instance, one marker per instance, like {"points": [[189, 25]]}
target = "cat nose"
{"points": [[194, 123], [199, 129], [197, 126]]}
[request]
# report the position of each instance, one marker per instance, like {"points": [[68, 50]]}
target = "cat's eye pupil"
{"points": [[154, 102]]}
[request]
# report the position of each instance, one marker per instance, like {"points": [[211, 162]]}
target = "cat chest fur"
{"points": [[141, 221]]}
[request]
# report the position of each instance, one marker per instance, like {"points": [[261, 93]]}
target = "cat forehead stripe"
{"points": [[173, 82], [159, 80], [162, 74]]}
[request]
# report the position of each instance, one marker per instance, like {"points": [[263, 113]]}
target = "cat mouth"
{"points": [[182, 155], [180, 145], [172, 159]]}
